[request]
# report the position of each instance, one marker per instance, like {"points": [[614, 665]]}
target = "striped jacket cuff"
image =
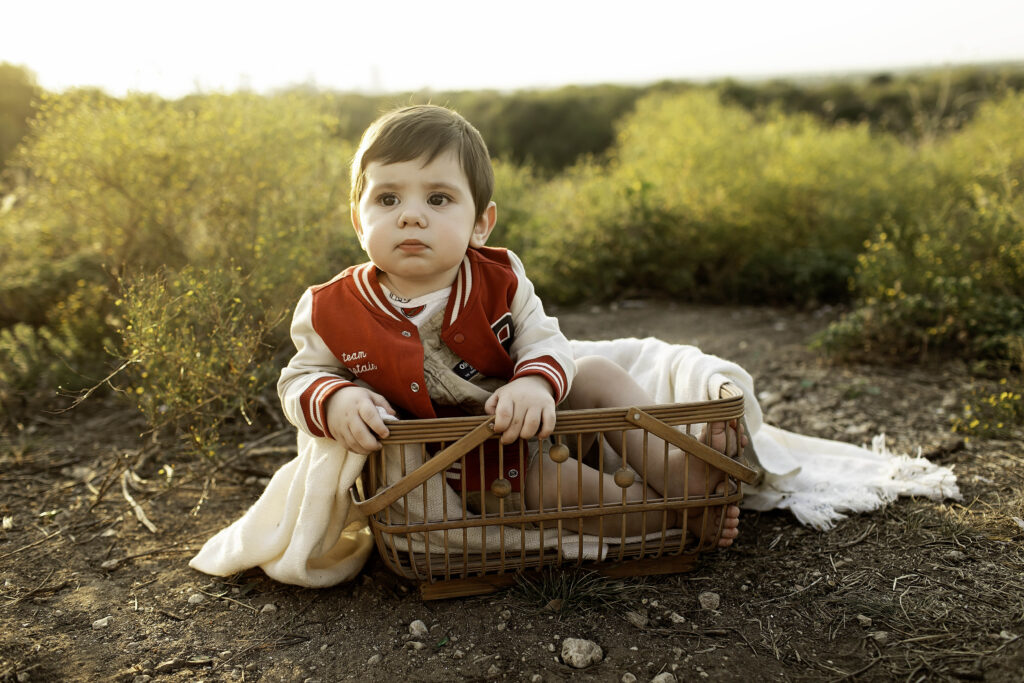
{"points": [[314, 402], [548, 368]]}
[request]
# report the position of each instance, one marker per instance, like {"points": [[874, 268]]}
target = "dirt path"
{"points": [[923, 590]]}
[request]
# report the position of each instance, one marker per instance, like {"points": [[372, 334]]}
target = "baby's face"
{"points": [[416, 220]]}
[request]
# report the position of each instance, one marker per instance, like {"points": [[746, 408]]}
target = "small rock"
{"points": [[554, 605], [628, 678], [142, 678], [536, 678], [880, 637], [458, 654], [268, 608], [493, 670], [110, 564], [551, 647], [864, 620], [505, 615], [168, 666], [637, 619], [374, 660], [23, 677], [665, 677], [677, 618], [418, 628], [1006, 635], [709, 600], [954, 556], [196, 598], [415, 645], [102, 623], [502, 625], [580, 653]]}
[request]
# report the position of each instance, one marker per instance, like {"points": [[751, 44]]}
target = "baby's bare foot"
{"points": [[724, 438]]}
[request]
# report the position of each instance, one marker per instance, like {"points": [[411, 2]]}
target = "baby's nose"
{"points": [[412, 217]]}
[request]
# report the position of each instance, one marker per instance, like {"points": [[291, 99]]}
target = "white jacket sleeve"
{"points": [[539, 347], [312, 376]]}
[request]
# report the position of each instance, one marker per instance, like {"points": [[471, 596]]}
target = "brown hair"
{"points": [[425, 130]]}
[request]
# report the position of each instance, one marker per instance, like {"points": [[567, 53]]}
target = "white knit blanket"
{"points": [[305, 530]]}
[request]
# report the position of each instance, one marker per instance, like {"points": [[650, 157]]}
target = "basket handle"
{"points": [[432, 466], [689, 444]]}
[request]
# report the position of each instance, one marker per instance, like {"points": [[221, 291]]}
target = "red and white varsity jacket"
{"points": [[345, 330]]}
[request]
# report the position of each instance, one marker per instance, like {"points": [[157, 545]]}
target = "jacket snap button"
{"points": [[459, 338], [414, 386], [406, 333]]}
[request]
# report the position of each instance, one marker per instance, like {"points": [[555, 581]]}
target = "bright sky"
{"points": [[174, 48]]}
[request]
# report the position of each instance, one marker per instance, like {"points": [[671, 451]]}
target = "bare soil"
{"points": [[922, 590]]}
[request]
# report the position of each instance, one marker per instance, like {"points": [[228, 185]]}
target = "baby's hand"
{"points": [[523, 408], [354, 420]]}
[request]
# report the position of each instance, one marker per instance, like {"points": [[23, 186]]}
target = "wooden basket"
{"points": [[425, 530]]}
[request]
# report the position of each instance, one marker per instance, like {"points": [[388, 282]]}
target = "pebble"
{"points": [[493, 670], [418, 628], [373, 660], [580, 653], [880, 637], [864, 620], [167, 666], [709, 600], [142, 678], [415, 645], [102, 623], [954, 556], [536, 678], [637, 619], [628, 678], [677, 618], [110, 564], [458, 654], [664, 677], [196, 598], [502, 626]]}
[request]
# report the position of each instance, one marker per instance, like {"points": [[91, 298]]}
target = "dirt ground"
{"points": [[922, 590]]}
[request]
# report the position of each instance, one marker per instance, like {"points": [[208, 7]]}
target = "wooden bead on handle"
{"points": [[625, 478], [559, 452], [501, 487]]}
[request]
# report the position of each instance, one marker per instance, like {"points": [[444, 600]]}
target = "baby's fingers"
{"points": [[372, 419]]}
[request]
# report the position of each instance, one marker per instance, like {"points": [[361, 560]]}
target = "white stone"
{"points": [[664, 677], [418, 628], [677, 618], [373, 660], [580, 653], [269, 607], [196, 598], [628, 678], [102, 623], [709, 600]]}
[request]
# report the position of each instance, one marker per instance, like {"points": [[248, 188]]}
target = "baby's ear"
{"points": [[484, 225], [356, 225]]}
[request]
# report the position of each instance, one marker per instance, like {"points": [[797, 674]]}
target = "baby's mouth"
{"points": [[412, 245]]}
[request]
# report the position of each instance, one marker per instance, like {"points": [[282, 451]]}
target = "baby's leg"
{"points": [[600, 383], [574, 483]]}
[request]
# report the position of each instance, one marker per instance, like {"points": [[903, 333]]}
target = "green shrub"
{"points": [[196, 350], [120, 189], [706, 201], [951, 281]]}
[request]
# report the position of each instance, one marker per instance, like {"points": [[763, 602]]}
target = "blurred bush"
{"points": [[119, 189], [951, 279], [704, 201]]}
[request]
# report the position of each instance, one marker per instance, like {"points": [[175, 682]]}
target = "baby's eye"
{"points": [[388, 199], [438, 199]]}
